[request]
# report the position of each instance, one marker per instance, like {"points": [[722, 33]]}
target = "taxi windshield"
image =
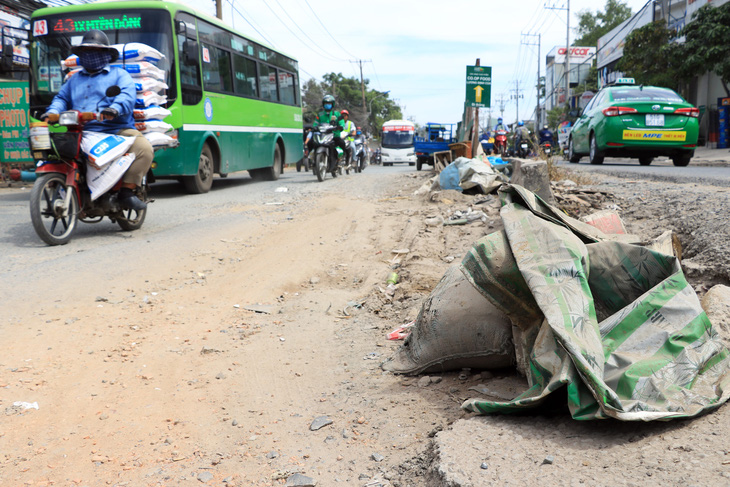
{"points": [[645, 94]]}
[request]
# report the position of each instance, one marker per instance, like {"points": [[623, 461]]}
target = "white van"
{"points": [[396, 141]]}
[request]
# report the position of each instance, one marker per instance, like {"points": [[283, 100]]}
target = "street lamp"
{"points": [[370, 106]]}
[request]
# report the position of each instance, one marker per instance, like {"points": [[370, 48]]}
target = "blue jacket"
{"points": [[84, 91]]}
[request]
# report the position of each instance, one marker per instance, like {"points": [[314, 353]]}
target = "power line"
{"points": [[310, 47], [249, 23], [326, 30]]}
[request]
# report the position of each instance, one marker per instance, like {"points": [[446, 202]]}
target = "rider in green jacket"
{"points": [[330, 116]]}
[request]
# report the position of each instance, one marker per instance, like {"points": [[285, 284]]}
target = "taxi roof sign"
{"points": [[625, 81]]}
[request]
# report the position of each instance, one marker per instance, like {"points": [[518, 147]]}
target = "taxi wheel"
{"points": [[595, 156], [572, 157], [681, 160]]}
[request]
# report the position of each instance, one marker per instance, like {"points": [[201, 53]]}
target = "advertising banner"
{"points": [[14, 122]]}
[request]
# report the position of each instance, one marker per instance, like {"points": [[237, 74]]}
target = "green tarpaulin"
{"points": [[615, 323]]}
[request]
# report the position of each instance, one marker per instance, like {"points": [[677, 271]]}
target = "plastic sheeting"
{"points": [[621, 328]]}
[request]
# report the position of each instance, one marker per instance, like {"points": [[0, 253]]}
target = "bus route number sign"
{"points": [[478, 86]]}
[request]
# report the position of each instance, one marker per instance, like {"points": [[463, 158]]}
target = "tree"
{"points": [[593, 26], [706, 47], [348, 95], [651, 56]]}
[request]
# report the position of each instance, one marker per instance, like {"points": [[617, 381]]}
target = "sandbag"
{"points": [[160, 140], [149, 98], [100, 180], [146, 83], [142, 69], [137, 51], [148, 126], [457, 327]]}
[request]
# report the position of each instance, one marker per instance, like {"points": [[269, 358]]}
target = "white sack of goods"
{"points": [[142, 69], [101, 149], [100, 180], [160, 140], [149, 98], [146, 83], [153, 126], [136, 51], [151, 113]]}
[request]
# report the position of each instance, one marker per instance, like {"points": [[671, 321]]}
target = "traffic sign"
{"points": [[478, 86]]}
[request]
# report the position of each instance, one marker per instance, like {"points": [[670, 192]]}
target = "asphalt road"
{"points": [[661, 169], [174, 215]]}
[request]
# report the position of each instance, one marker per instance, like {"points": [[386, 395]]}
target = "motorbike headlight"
{"points": [[70, 117]]}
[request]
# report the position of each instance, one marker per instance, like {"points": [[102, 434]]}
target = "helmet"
{"points": [[545, 127], [328, 99], [499, 120], [345, 112], [96, 39], [520, 123]]}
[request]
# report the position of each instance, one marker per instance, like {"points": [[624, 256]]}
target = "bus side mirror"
{"points": [[181, 28], [190, 52]]}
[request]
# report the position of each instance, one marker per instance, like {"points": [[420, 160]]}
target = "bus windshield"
{"points": [[397, 139], [151, 27]]}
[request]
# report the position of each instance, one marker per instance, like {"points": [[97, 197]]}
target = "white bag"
{"points": [[100, 180], [151, 113], [159, 140], [70, 73], [101, 149], [148, 98], [148, 126], [149, 84], [142, 69], [136, 51]]}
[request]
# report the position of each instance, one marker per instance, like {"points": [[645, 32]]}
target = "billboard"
{"points": [[611, 45]]}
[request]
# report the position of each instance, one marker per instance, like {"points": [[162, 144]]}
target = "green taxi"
{"points": [[629, 120]]}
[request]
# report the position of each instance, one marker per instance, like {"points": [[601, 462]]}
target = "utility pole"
{"points": [[537, 109], [362, 82], [219, 9], [567, 48], [516, 97], [475, 136], [501, 101]]}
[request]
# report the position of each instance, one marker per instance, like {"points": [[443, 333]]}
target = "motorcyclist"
{"points": [[500, 125], [361, 139], [330, 116], [349, 130], [521, 133], [86, 92], [546, 135]]}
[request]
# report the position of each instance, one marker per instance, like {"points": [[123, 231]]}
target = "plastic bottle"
{"points": [[392, 278]]}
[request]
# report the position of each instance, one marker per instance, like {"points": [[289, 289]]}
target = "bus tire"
{"points": [[270, 173], [202, 181]]}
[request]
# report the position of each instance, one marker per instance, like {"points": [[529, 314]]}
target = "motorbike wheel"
{"points": [[133, 219], [320, 165], [358, 165], [53, 221], [299, 165]]}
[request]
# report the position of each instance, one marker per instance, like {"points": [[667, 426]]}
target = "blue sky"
{"points": [[418, 50]]}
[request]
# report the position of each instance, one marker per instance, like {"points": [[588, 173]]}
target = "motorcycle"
{"points": [[376, 158], [60, 196], [359, 160], [523, 148], [500, 142], [324, 148]]}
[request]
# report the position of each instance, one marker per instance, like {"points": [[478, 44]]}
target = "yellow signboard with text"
{"points": [[675, 136]]}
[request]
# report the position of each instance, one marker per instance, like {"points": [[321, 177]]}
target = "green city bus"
{"points": [[235, 104]]}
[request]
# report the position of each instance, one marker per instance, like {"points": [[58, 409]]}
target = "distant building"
{"points": [[580, 61]]}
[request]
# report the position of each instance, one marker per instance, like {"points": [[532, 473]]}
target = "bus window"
{"points": [[216, 69], [267, 82], [287, 87], [192, 90], [244, 76], [212, 34]]}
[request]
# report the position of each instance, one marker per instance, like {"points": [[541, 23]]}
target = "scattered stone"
{"points": [[101, 299], [319, 423], [220, 376], [484, 466], [208, 350], [272, 454], [299, 480], [377, 457], [548, 460], [424, 381], [314, 280], [436, 380], [205, 477], [234, 423]]}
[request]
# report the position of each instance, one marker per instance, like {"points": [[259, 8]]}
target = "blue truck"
{"points": [[436, 138]]}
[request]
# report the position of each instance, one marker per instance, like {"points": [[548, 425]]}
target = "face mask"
{"points": [[328, 106], [93, 61]]}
